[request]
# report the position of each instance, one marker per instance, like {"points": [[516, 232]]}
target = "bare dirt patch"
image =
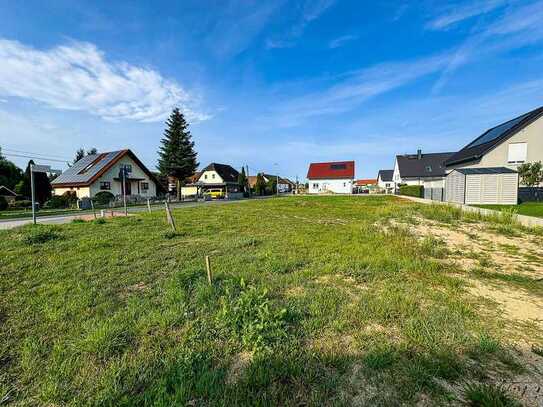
{"points": [[238, 367], [476, 246]]}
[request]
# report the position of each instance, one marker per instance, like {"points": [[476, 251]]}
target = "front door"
{"points": [[128, 187]]}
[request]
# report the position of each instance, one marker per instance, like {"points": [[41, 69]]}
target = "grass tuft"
{"points": [[39, 234], [488, 395]]}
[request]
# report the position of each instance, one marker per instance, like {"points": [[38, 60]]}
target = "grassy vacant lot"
{"points": [[314, 301], [526, 208]]}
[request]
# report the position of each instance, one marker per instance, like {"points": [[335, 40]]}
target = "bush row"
{"points": [[412, 190]]}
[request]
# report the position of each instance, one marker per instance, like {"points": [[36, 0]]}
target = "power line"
{"points": [[36, 154], [33, 157]]}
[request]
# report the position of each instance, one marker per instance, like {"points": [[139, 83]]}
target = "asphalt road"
{"points": [[59, 219]]}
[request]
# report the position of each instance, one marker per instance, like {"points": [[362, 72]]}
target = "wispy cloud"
{"points": [[310, 11], [516, 28], [341, 41], [358, 87], [78, 77], [240, 23], [456, 14]]}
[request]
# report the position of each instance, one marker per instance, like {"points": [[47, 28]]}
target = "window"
{"points": [[205, 176], [213, 176], [344, 184], [105, 186], [338, 166], [145, 186], [428, 168], [517, 152], [315, 185]]}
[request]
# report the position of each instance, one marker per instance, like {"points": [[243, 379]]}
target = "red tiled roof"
{"points": [[331, 170], [362, 182]]}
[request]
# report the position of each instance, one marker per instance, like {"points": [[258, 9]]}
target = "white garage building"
{"points": [[480, 186]]}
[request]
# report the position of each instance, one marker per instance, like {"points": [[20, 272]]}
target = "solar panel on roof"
{"points": [[497, 131]]}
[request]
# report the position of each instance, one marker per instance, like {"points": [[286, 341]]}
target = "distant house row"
{"points": [[121, 172], [483, 172]]}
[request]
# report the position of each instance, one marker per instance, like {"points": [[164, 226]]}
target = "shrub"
{"points": [[38, 234], [3, 203], [60, 201], [412, 190], [103, 198], [252, 318], [22, 204]]}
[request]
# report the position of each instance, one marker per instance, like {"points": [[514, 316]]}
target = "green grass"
{"points": [[525, 208], [321, 303], [487, 395]]}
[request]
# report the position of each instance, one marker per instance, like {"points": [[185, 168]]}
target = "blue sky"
{"points": [[269, 84]]}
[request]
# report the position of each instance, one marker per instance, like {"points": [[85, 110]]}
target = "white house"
{"points": [[426, 169], [101, 172], [385, 182], [331, 177], [221, 179]]}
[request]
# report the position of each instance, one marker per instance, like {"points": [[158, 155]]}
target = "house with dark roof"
{"points": [[331, 177], [101, 172], [385, 182], [219, 179], [485, 170], [7, 193], [509, 144], [426, 169]]}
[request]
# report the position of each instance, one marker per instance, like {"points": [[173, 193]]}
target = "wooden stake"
{"points": [[149, 205], [208, 267], [169, 216], [93, 210]]}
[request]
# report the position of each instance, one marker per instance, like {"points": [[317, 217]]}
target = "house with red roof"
{"points": [[331, 177]]}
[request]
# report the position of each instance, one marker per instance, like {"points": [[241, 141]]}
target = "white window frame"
{"points": [[517, 153]]}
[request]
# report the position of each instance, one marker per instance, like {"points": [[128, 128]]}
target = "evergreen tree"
{"points": [[242, 180], [177, 157], [10, 174], [80, 153], [260, 185], [42, 186]]}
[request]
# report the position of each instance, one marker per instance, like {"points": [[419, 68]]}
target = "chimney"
{"points": [[419, 154]]}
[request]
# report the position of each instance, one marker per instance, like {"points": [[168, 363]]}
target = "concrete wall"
{"points": [[337, 186], [80, 192]]}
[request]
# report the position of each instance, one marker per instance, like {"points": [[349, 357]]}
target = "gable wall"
{"points": [[532, 135], [116, 188], [213, 177]]}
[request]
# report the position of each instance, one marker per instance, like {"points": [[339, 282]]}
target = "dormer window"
{"points": [[428, 168]]}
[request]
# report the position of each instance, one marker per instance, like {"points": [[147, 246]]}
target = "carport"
{"points": [[473, 186]]}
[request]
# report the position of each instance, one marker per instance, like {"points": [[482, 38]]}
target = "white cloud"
{"points": [[78, 77], [341, 41], [457, 14]]}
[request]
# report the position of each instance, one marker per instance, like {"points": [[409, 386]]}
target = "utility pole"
{"points": [[35, 168]]}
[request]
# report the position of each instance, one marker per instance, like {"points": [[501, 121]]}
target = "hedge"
{"points": [[412, 190]]}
